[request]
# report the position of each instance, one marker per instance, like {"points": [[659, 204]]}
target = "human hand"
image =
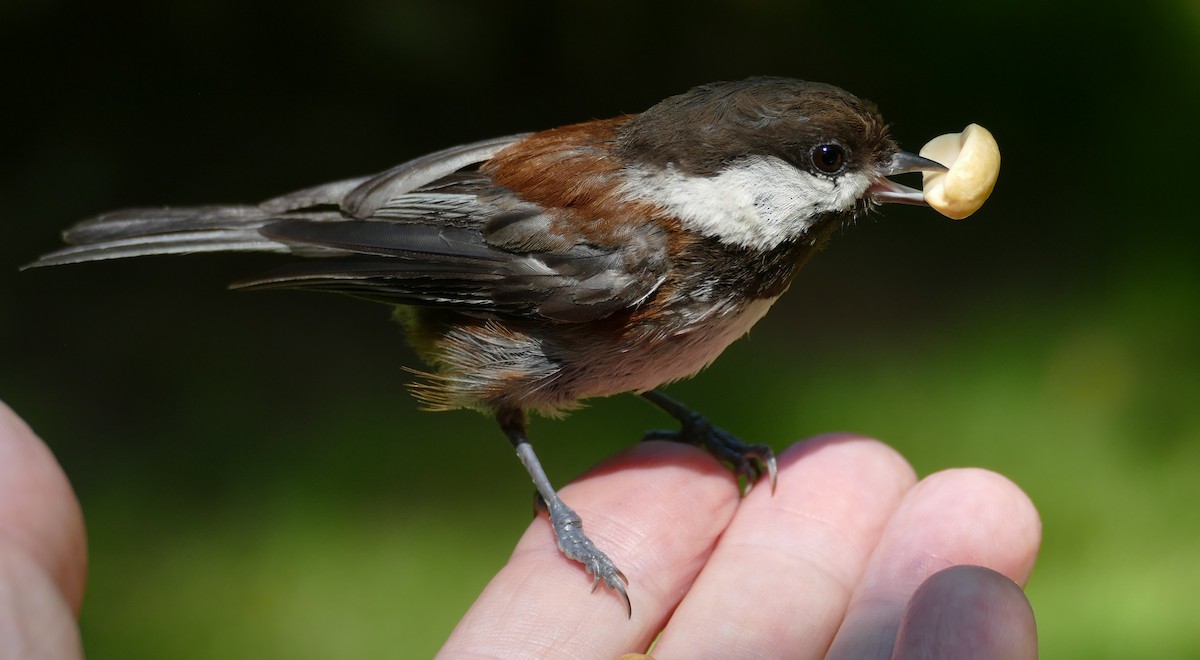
{"points": [[827, 566], [43, 552]]}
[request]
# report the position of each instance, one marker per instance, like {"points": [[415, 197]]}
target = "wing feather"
{"points": [[435, 265], [435, 231], [374, 193]]}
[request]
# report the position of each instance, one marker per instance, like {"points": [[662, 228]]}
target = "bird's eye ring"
{"points": [[828, 158]]}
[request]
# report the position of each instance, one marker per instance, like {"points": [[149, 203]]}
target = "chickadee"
{"points": [[537, 270]]}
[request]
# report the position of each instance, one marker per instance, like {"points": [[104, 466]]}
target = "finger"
{"points": [[36, 621], [965, 516], [39, 515], [42, 554], [781, 576], [967, 612], [656, 509]]}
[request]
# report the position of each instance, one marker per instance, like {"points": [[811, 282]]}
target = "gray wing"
{"points": [[362, 197], [430, 232], [483, 251]]}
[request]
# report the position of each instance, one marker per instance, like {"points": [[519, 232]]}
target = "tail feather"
{"points": [[129, 223], [142, 232], [219, 240], [149, 231], [152, 231]]}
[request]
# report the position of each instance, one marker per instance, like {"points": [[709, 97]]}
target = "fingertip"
{"points": [[39, 512], [856, 447], [967, 612], [966, 516], [997, 506], [841, 455], [11, 424], [36, 620]]}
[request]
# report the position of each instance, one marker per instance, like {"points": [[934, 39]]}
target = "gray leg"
{"points": [[567, 526], [749, 461]]}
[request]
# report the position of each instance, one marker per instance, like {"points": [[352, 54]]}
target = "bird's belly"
{"points": [[613, 368], [493, 365]]}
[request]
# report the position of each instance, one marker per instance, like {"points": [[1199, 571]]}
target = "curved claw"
{"points": [[759, 459], [599, 566], [748, 461], [572, 542], [620, 589]]}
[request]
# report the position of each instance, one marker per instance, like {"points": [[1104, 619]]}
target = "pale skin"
{"points": [[826, 567], [43, 553]]}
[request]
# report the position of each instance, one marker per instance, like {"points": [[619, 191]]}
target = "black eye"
{"points": [[828, 158]]}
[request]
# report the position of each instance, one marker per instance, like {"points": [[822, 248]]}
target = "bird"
{"points": [[534, 271]]}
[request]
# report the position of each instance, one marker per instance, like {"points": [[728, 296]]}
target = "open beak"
{"points": [[886, 191]]}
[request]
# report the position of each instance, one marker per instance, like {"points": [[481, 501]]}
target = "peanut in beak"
{"points": [[973, 159]]}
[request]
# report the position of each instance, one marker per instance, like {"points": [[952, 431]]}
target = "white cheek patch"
{"points": [[760, 202]]}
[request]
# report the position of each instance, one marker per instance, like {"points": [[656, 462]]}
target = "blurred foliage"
{"points": [[256, 481]]}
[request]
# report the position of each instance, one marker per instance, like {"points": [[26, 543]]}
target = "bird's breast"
{"points": [[695, 345], [494, 364]]}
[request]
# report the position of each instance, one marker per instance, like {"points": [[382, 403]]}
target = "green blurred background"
{"points": [[258, 484]]}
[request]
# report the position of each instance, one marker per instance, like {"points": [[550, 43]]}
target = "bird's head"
{"points": [[759, 162]]}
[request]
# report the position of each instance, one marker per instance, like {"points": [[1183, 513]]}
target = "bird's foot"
{"points": [[749, 462], [568, 533]]}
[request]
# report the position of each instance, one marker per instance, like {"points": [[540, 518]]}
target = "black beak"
{"points": [[886, 191]]}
